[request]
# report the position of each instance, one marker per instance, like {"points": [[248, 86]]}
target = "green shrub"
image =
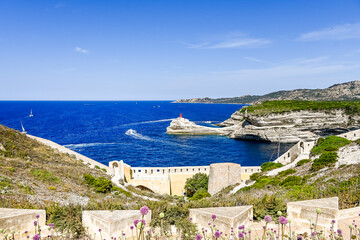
{"points": [[268, 205], [254, 176], [45, 175], [264, 181], [327, 159], [286, 172], [330, 143], [117, 189], [5, 183], [67, 219], [199, 194], [187, 228], [195, 183], [302, 162], [267, 166], [97, 167], [292, 181], [101, 184]]}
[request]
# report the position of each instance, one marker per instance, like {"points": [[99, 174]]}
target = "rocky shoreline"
{"points": [[286, 127]]}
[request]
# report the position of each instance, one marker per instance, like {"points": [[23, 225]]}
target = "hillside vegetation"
{"points": [[33, 175], [348, 91], [267, 107]]}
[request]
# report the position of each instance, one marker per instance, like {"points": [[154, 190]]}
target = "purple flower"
{"points": [[144, 210], [241, 235], [283, 220], [213, 217], [333, 221], [143, 221], [99, 229], [339, 231], [136, 221], [217, 234], [131, 227], [268, 218], [242, 227], [36, 237], [300, 237], [198, 237], [190, 219], [37, 216], [26, 232], [35, 223], [209, 224]]}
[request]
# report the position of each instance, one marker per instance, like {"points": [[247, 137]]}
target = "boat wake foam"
{"points": [[145, 122], [137, 135], [84, 145], [133, 133]]}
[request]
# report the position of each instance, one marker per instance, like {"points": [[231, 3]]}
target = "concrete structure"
{"points": [[171, 180], [111, 223], [223, 175], [301, 211], [226, 217], [20, 220]]}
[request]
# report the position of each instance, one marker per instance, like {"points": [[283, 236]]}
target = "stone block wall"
{"points": [[222, 175]]}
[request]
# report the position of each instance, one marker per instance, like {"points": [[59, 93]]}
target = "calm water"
{"points": [[100, 130]]}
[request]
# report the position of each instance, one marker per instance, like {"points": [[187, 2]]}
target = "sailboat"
{"points": [[23, 129], [31, 114]]}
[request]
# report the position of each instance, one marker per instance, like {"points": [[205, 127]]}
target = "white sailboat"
{"points": [[22, 127], [31, 114]]}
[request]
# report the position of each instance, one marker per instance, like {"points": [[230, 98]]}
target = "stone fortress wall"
{"points": [[170, 180]]}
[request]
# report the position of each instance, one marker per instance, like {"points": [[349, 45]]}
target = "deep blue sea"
{"points": [[100, 130]]}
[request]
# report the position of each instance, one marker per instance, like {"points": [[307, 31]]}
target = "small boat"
{"points": [[207, 121], [22, 127], [158, 105], [31, 114]]}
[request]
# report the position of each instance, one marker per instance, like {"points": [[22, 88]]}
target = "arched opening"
{"points": [[115, 165], [302, 148], [143, 188]]}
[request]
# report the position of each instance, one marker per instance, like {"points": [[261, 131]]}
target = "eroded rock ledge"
{"points": [[290, 126]]}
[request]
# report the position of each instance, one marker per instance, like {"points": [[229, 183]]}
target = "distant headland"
{"points": [[349, 91]]}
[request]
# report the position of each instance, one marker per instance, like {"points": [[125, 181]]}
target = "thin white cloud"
{"points": [[337, 32], [81, 50], [255, 60], [232, 43], [294, 68]]}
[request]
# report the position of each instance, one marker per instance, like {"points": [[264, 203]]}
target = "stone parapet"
{"points": [[111, 223], [301, 212], [21, 220], [226, 217], [223, 175]]}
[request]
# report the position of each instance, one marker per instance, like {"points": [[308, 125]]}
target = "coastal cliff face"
{"points": [[291, 126]]}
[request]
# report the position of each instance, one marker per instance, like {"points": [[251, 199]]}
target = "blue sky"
{"points": [[164, 50]]}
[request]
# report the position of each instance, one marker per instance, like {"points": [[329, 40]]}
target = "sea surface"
{"points": [[136, 131]]}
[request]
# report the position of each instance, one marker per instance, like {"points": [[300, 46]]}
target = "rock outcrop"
{"points": [[291, 126], [182, 125]]}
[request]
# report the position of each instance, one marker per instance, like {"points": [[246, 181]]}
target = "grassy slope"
{"points": [[23, 186], [267, 107]]}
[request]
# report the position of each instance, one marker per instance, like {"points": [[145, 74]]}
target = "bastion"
{"points": [[223, 175], [226, 217], [21, 220], [111, 223]]}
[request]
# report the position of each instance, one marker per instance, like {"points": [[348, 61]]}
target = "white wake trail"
{"points": [[84, 145], [145, 122], [137, 135]]}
